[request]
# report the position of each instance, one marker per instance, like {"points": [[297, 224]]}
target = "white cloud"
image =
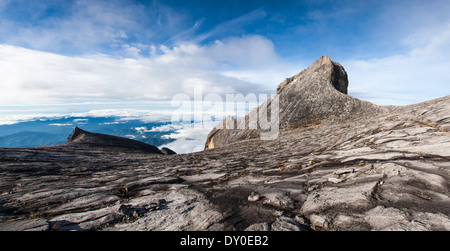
{"points": [[16, 118], [111, 123], [130, 136], [141, 129], [80, 121], [234, 23], [124, 114], [59, 124], [162, 128], [190, 138], [34, 77]]}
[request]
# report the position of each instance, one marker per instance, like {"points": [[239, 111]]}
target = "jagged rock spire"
{"points": [[75, 133], [315, 94]]}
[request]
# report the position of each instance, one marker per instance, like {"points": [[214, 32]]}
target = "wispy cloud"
{"points": [[188, 34], [233, 24], [87, 26], [59, 124], [162, 128]]}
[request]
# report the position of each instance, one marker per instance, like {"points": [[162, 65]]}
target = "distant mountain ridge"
{"points": [[30, 139], [48, 131], [93, 140]]}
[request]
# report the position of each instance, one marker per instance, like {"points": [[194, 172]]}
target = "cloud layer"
{"points": [[35, 77]]}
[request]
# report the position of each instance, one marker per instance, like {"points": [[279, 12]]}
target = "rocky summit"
{"points": [[84, 139], [316, 94], [338, 163]]}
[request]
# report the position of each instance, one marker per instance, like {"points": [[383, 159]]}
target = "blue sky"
{"points": [[57, 56], [297, 28]]}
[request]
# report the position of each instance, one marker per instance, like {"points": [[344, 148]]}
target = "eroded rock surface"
{"points": [[386, 171]]}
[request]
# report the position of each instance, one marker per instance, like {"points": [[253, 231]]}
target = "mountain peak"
{"points": [[318, 93], [75, 133], [84, 138], [320, 69]]}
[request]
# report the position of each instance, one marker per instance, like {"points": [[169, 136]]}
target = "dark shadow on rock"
{"points": [[63, 225]]}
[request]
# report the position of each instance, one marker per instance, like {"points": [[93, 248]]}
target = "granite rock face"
{"points": [[317, 93], [356, 166]]}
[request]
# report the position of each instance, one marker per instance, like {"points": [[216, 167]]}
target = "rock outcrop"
{"points": [[168, 151], [87, 139], [358, 167], [316, 94]]}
